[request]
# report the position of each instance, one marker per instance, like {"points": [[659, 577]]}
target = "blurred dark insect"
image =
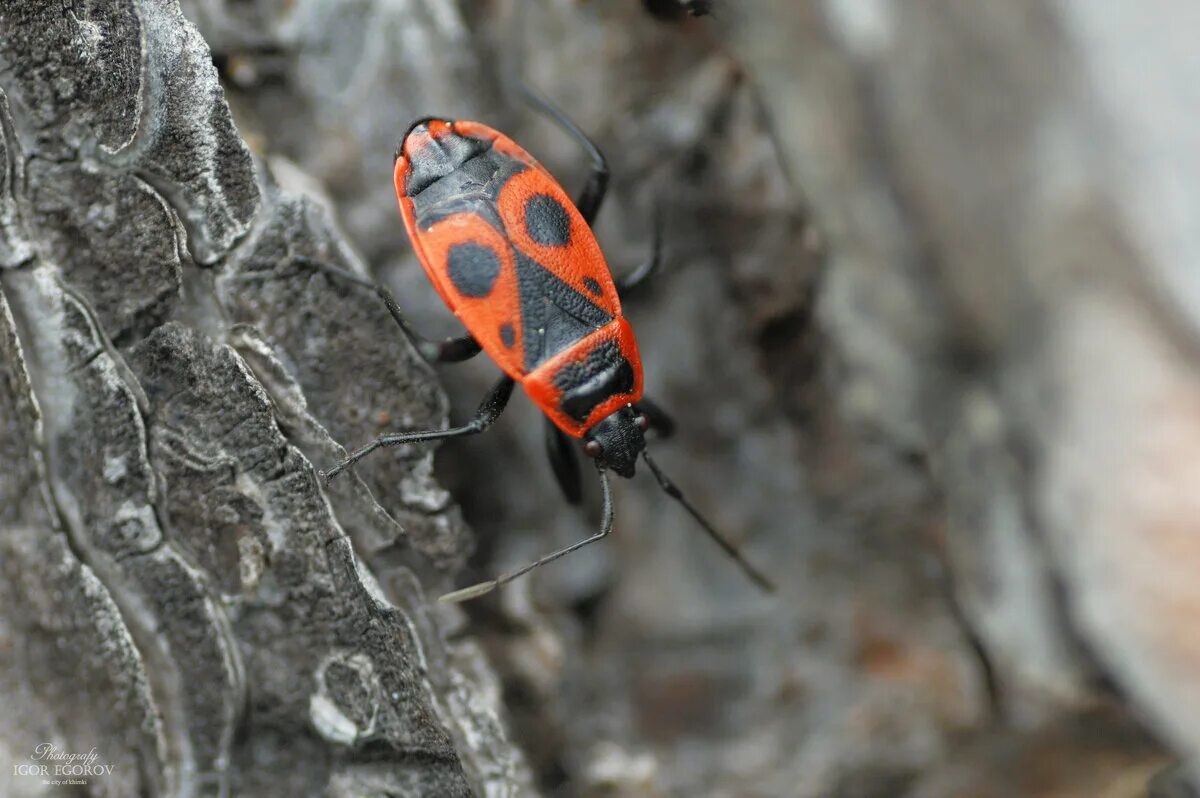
{"points": [[674, 10]]}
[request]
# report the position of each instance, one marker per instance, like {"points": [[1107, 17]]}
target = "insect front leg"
{"points": [[561, 451], [659, 420], [489, 410]]}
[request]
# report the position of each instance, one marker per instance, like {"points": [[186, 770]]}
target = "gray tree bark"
{"points": [[179, 592], [928, 324]]}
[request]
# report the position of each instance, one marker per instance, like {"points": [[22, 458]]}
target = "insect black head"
{"points": [[616, 441]]}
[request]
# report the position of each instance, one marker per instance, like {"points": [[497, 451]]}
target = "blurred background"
{"points": [[928, 323]]}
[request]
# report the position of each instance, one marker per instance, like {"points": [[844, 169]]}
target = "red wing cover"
{"points": [[502, 243], [510, 254]]}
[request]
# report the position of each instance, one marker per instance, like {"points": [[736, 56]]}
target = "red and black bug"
{"points": [[516, 261]]}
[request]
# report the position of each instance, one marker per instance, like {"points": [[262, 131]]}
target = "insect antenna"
{"points": [[672, 490], [483, 588]]}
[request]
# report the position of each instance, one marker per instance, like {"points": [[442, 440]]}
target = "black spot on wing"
{"points": [[592, 286], [547, 221], [553, 314], [473, 269], [586, 384], [507, 334]]}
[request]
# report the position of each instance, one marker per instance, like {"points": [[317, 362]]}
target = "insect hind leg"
{"points": [[628, 283], [592, 196]]}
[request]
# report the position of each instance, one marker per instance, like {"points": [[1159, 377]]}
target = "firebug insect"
{"points": [[516, 261]]}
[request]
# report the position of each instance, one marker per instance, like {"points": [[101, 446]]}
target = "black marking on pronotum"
{"points": [[473, 269], [585, 384], [507, 334], [546, 221], [554, 315], [592, 286]]}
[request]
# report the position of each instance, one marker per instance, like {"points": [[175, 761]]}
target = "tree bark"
{"points": [[928, 325], [179, 593]]}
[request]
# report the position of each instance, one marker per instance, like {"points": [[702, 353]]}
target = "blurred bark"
{"points": [[928, 324]]}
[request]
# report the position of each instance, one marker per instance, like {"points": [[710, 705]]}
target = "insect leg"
{"points": [[489, 410], [672, 490], [562, 459], [660, 420], [449, 350], [487, 587], [592, 196], [630, 282]]}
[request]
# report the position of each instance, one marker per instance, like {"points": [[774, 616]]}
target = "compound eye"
{"points": [[593, 449], [642, 422]]}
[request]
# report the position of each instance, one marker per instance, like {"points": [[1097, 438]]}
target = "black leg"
{"points": [[564, 462], [672, 490], [487, 587], [489, 410], [641, 275], [628, 283], [592, 196], [450, 350], [660, 421]]}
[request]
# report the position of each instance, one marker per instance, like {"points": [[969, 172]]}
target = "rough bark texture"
{"points": [[179, 593], [929, 326]]}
